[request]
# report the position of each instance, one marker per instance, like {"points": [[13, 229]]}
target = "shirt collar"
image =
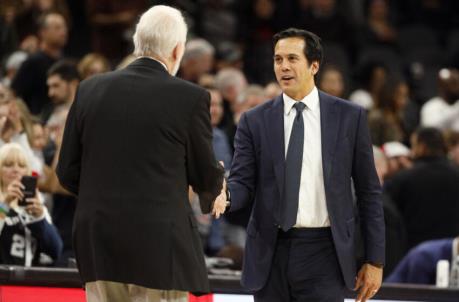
{"points": [[311, 101], [151, 58]]}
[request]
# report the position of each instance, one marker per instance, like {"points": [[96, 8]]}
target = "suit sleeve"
{"points": [[69, 164], [242, 177], [368, 192], [205, 175]]}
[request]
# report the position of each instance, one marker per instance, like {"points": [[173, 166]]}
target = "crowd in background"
{"points": [[398, 59]]}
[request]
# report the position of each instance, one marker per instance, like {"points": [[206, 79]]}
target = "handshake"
{"points": [[221, 202]]}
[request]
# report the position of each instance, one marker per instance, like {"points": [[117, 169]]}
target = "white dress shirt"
{"points": [[312, 208]]}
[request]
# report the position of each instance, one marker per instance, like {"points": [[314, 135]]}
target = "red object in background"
{"points": [[56, 294], [41, 294], [206, 298]]}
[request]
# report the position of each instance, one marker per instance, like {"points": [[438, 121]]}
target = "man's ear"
{"points": [[178, 52], [314, 67]]}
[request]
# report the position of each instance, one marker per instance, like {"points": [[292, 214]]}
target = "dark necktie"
{"points": [[293, 164]]}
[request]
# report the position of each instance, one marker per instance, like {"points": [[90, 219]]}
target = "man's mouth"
{"points": [[286, 78]]}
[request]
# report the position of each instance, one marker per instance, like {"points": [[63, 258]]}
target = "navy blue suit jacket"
{"points": [[257, 180]]}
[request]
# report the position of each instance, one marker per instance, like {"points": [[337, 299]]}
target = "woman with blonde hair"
{"points": [[27, 236], [91, 64]]}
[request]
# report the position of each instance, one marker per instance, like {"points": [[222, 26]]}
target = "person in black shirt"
{"points": [[30, 80]]}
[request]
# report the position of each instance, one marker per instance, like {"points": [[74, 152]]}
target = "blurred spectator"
{"points": [[64, 204], [386, 120], [220, 141], [207, 80], [27, 236], [91, 64], [13, 63], [63, 80], [29, 15], [419, 266], [111, 23], [257, 24], [15, 126], [427, 194], [371, 77], [223, 152], [323, 18], [228, 54], [398, 158], [442, 111], [452, 138], [331, 81], [215, 20], [197, 60], [8, 35], [395, 228], [230, 82], [272, 90], [440, 15], [251, 97], [30, 80], [379, 28], [37, 139]]}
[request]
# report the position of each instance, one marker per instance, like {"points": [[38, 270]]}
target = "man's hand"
{"points": [[220, 203], [368, 282]]}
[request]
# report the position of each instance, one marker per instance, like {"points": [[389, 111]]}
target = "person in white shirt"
{"points": [[442, 111]]}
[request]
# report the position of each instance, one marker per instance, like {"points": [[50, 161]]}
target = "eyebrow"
{"points": [[287, 55]]}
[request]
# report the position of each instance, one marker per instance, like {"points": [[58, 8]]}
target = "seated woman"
{"points": [[27, 236]]}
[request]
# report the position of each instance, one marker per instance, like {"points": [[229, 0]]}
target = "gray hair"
{"points": [[228, 77], [159, 31], [251, 90], [196, 48]]}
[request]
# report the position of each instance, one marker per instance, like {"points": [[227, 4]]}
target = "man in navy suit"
{"points": [[295, 160]]}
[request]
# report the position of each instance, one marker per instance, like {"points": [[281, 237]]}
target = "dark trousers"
{"points": [[305, 268]]}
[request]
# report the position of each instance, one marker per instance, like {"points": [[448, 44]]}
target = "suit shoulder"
{"points": [[187, 87], [345, 104], [99, 79], [259, 109]]}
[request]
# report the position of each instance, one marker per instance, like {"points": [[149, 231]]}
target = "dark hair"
{"points": [[313, 48], [365, 72], [66, 69], [432, 139], [386, 97]]}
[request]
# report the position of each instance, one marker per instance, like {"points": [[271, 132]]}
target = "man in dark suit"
{"points": [[429, 191], [294, 162], [135, 139]]}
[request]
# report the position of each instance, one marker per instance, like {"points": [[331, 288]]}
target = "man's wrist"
{"points": [[376, 264], [228, 199]]}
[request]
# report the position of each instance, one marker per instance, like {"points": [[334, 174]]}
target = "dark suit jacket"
{"points": [[134, 140], [257, 180], [427, 196]]}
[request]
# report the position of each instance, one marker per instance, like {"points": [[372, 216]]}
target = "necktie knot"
{"points": [[299, 106]]}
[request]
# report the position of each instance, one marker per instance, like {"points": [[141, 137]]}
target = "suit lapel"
{"points": [[274, 121], [329, 123]]}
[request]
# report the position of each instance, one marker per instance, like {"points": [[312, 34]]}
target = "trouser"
{"points": [[108, 291], [305, 268]]}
